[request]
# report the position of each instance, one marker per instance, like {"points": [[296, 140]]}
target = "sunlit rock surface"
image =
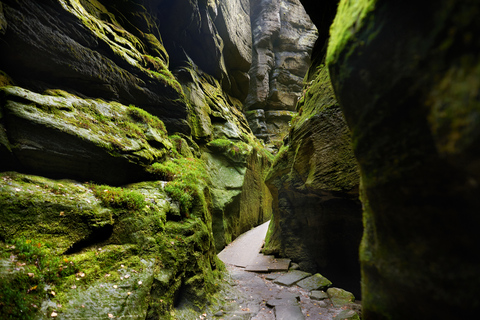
{"points": [[283, 38]]}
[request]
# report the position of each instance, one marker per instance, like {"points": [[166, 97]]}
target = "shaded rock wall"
{"points": [[283, 38], [314, 183], [215, 34], [406, 76], [314, 179]]}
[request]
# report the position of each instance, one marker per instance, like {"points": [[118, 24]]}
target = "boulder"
{"points": [[347, 315], [411, 102], [340, 297], [85, 250]]}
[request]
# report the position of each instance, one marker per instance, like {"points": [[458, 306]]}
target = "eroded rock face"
{"points": [[407, 77], [61, 135], [87, 93], [85, 50], [314, 183], [283, 38], [99, 251], [214, 34]]}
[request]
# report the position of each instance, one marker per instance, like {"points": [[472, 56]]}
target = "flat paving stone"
{"points": [[285, 298], [266, 263], [279, 264], [288, 312], [315, 282], [318, 295], [291, 278], [273, 276], [243, 250], [254, 268]]}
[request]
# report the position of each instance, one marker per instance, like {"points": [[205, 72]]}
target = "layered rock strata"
{"points": [[114, 94]]}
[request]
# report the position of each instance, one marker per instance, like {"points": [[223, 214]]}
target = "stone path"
{"points": [[268, 290]]}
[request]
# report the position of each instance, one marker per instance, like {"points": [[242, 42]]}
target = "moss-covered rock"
{"points": [[61, 135], [314, 184], [101, 49], [412, 105], [81, 250], [79, 67], [240, 198]]}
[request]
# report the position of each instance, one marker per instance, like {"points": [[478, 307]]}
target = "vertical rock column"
{"points": [[407, 78], [283, 38]]}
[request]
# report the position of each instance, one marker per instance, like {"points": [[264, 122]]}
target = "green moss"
{"points": [[182, 147], [38, 270], [140, 115], [68, 212], [236, 152], [118, 197], [109, 125], [351, 17], [185, 176]]}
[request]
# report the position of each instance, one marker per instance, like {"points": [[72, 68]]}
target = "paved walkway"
{"points": [[268, 290], [243, 250]]}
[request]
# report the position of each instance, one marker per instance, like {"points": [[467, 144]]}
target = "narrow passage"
{"points": [[269, 290]]}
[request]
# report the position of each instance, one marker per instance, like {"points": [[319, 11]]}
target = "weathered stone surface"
{"points": [[215, 35], [412, 105], [283, 38], [99, 250], [233, 23], [314, 183], [340, 297], [315, 282], [291, 277], [318, 295], [199, 41], [347, 315], [289, 312], [60, 135], [91, 53]]}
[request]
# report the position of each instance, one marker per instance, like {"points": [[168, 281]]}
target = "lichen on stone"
{"points": [[351, 17]]}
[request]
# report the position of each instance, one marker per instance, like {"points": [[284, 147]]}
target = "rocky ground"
{"points": [[288, 294], [260, 298]]}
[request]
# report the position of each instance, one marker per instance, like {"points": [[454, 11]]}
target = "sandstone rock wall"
{"points": [[314, 183], [283, 38], [143, 100], [406, 76]]}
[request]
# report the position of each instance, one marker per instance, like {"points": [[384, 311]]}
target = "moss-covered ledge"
{"points": [[61, 135]]}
